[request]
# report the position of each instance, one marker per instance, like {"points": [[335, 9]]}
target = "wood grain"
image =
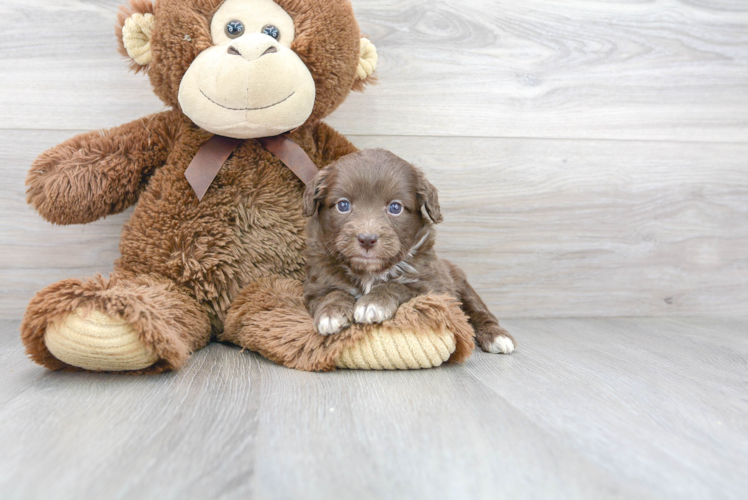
{"points": [[638, 393], [585, 408], [106, 436], [543, 228], [672, 70]]}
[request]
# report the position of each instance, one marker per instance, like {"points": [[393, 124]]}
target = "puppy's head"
{"points": [[366, 209]]}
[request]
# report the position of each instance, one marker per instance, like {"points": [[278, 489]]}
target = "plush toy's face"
{"points": [[249, 83], [248, 68]]}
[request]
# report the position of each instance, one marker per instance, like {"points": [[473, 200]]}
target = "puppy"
{"points": [[371, 248]]}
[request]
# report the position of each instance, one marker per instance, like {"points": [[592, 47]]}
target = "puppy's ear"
{"points": [[428, 197], [314, 193]]}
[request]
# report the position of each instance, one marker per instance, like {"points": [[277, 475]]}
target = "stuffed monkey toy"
{"points": [[214, 247]]}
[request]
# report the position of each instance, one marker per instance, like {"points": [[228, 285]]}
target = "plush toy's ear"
{"points": [[315, 192], [367, 64], [135, 22], [428, 198]]}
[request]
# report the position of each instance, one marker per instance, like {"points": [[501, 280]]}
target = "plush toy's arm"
{"points": [[99, 173], [331, 144]]}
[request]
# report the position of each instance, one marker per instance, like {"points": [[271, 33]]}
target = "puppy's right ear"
{"points": [[315, 192]]}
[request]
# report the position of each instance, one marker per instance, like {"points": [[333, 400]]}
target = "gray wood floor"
{"points": [[585, 408]]}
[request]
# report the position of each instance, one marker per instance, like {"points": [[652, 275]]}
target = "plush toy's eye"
{"points": [[271, 31], [344, 206], [234, 29], [395, 208]]}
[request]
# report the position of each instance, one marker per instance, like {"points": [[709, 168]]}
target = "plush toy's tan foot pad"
{"points": [[269, 317], [96, 342], [398, 350]]}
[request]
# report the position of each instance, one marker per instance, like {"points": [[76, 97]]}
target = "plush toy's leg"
{"points": [[269, 317], [140, 324]]}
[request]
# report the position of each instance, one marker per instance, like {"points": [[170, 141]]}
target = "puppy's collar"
{"points": [[213, 154]]}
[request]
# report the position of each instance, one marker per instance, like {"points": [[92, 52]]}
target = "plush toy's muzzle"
{"points": [[249, 88]]}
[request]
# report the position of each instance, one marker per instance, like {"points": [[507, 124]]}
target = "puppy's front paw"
{"points": [[331, 320], [328, 325], [497, 341], [370, 311]]}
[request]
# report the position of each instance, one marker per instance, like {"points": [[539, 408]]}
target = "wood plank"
{"points": [[538, 68], [16, 370], [426, 434], [180, 435], [637, 394], [544, 228], [585, 408]]}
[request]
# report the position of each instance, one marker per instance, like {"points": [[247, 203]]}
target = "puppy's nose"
{"points": [[367, 240]]}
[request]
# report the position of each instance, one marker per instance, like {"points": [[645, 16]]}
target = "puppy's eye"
{"points": [[234, 29], [271, 31], [395, 208], [343, 206]]}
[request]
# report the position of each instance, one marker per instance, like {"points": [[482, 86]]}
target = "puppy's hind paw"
{"points": [[330, 324], [501, 345], [496, 340]]}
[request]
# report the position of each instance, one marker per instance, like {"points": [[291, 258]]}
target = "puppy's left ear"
{"points": [[428, 197], [314, 193]]}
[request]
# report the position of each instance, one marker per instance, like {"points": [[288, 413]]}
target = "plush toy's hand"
{"points": [[332, 318], [96, 174]]}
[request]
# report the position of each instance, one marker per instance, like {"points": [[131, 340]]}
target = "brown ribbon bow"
{"points": [[210, 158]]}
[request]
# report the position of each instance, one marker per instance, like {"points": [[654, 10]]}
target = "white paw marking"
{"points": [[371, 313], [501, 345], [328, 325]]}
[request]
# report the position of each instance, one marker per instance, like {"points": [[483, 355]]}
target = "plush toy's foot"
{"points": [[138, 324], [97, 342], [269, 317], [383, 349]]}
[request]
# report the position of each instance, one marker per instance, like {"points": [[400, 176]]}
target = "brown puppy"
{"points": [[370, 247]]}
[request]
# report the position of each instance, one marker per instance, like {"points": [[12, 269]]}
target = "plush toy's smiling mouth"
{"points": [[247, 109]]}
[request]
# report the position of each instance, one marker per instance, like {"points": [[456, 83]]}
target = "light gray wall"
{"points": [[592, 156]]}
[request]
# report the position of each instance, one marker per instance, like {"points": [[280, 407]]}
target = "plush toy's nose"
{"points": [[252, 47], [234, 52], [367, 241]]}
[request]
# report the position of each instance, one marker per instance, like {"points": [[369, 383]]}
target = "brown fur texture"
{"points": [[371, 248], [184, 262], [270, 317]]}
